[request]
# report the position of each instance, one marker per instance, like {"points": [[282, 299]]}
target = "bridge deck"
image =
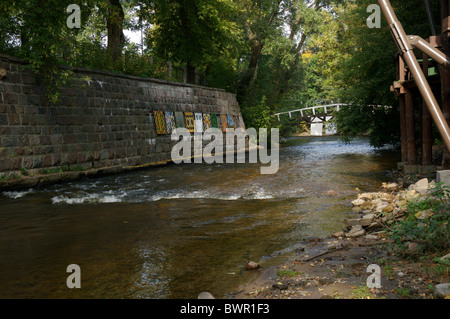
{"points": [[327, 109]]}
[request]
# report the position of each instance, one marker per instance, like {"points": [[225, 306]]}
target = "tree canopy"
{"points": [[274, 54]]}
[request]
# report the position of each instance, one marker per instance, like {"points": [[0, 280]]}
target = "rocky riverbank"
{"points": [[336, 267]]}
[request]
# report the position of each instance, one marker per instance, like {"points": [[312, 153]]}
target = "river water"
{"points": [[175, 231]]}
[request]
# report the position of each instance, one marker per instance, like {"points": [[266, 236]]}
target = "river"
{"points": [[175, 231]]}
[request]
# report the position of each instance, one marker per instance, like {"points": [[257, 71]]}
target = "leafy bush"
{"points": [[431, 233], [258, 115]]}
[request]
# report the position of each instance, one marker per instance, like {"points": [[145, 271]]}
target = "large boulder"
{"points": [[422, 186], [441, 291], [358, 202], [205, 295]]}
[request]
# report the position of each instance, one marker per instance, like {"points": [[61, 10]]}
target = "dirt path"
{"points": [[337, 268]]}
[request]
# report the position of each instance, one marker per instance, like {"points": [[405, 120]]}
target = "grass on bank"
{"points": [[45, 171], [426, 224]]}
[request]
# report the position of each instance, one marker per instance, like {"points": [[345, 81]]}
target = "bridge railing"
{"points": [[327, 108]]}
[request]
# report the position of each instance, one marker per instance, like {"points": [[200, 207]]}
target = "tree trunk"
{"points": [[249, 76], [114, 24], [191, 74], [283, 78]]}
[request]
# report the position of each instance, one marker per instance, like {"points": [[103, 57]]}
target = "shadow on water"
{"points": [[174, 231]]}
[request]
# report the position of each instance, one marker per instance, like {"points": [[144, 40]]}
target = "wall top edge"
{"points": [[11, 59]]}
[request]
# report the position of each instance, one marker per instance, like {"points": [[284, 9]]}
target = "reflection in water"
{"points": [[153, 273], [175, 231]]}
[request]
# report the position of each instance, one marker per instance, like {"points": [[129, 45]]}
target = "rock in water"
{"points": [[331, 193], [252, 266]]}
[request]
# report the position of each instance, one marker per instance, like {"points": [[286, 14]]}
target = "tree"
{"points": [[114, 24], [191, 33], [260, 19], [357, 66]]}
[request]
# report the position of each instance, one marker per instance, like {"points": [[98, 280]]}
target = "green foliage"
{"points": [[356, 65], [432, 233], [287, 126], [47, 171], [362, 292], [191, 32], [380, 123], [287, 273], [269, 52], [24, 171], [259, 115], [61, 169]]}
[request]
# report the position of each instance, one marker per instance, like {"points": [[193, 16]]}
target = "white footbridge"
{"points": [[318, 116]]}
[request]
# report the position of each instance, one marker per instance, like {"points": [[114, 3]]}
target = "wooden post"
{"points": [[427, 140], [445, 74], [404, 142], [410, 128], [401, 95]]}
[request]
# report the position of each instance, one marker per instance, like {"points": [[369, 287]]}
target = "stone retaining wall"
{"points": [[102, 120]]}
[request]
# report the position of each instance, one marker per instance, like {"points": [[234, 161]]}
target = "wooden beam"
{"points": [[445, 76], [427, 140], [404, 143], [410, 127], [445, 9]]}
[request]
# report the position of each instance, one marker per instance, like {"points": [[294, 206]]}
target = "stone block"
{"points": [[28, 79], [27, 162], [5, 164], [3, 119], [426, 170], [37, 162], [16, 163], [47, 161], [10, 98], [33, 100], [411, 169], [45, 140], [443, 177], [9, 141], [33, 140]]}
